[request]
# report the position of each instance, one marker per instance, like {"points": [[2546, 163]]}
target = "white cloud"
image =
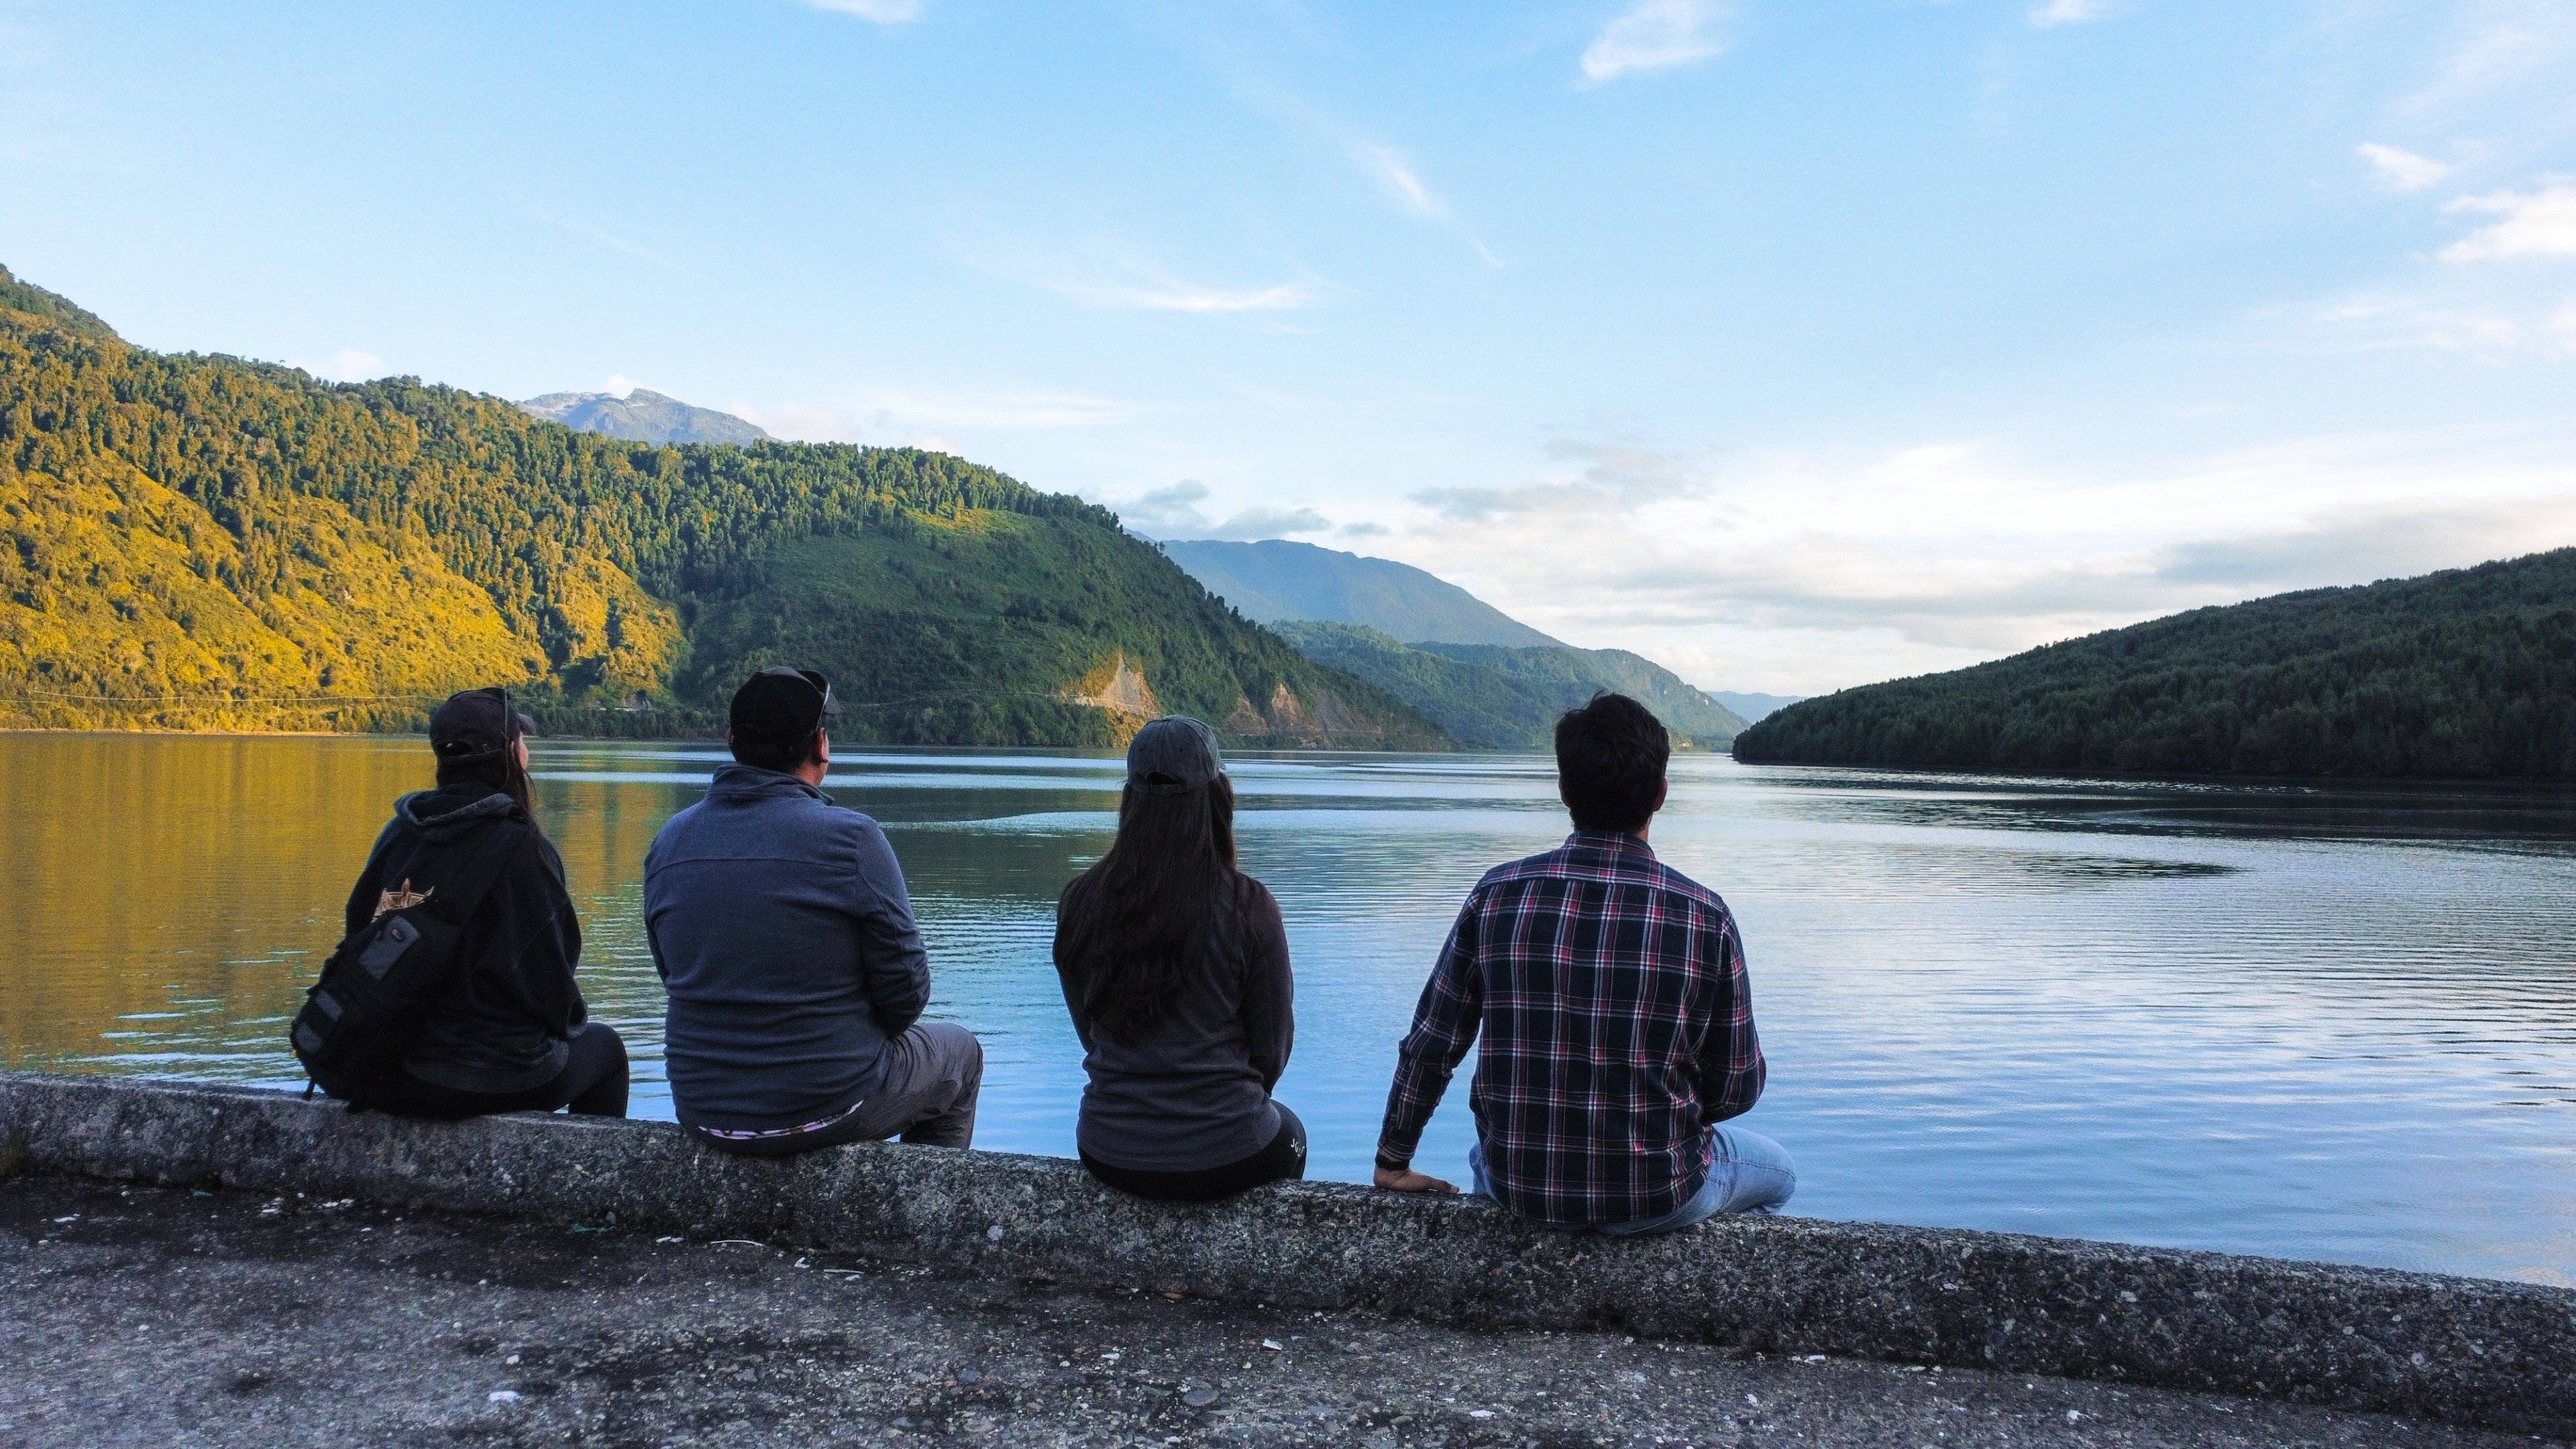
{"points": [[1396, 175], [894, 417], [1654, 35], [2049, 14], [346, 365], [2400, 170], [1804, 570], [2538, 223], [883, 12], [1174, 512], [1171, 295]]}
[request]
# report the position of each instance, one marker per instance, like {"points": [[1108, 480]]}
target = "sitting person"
{"points": [[1617, 1022], [785, 939], [508, 1032], [1175, 967]]}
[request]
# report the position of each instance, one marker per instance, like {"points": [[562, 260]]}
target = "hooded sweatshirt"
{"points": [[502, 1023], [781, 928]]}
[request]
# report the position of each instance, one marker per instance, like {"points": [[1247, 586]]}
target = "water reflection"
{"points": [[2328, 1023]]}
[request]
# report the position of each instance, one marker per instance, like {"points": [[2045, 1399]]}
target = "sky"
{"points": [[1793, 345]]}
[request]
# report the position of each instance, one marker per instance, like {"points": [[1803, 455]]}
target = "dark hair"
{"points": [[1610, 758], [498, 772], [1126, 927], [773, 752]]}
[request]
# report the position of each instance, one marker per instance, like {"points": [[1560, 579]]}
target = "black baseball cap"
{"points": [[1173, 756], [783, 704], [476, 723]]}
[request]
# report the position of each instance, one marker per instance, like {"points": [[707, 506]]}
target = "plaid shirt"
{"points": [[1618, 1025]]}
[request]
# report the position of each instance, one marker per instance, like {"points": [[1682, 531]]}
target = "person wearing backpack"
{"points": [[498, 1025]]}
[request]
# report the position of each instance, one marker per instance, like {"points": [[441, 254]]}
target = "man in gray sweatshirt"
{"points": [[783, 934]]}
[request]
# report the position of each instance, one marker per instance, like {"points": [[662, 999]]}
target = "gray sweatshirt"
{"points": [[781, 929], [1195, 1092]]}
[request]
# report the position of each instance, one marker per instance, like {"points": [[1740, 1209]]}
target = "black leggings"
{"points": [[592, 1083], [1284, 1160]]}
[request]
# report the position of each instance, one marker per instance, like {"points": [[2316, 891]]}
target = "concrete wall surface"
{"points": [[2494, 1354]]}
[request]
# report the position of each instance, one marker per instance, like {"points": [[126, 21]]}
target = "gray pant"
{"points": [[934, 1072]]}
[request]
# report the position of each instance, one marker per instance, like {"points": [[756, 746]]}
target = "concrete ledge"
{"points": [[2474, 1351]]}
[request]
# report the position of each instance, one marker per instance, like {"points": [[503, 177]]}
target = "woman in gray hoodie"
{"points": [[1175, 967]]}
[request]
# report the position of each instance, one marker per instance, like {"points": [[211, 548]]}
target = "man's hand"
{"points": [[1409, 1180]]}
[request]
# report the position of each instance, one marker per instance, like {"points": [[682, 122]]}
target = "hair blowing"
{"points": [[1133, 921]]}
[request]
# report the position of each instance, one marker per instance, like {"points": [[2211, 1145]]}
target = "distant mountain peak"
{"points": [[1277, 580], [643, 416]]}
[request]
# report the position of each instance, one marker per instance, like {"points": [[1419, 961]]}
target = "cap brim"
{"points": [[527, 726]]}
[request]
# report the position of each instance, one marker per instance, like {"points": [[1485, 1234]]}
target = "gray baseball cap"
{"points": [[1173, 756]]}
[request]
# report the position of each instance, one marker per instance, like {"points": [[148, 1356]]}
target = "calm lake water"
{"points": [[2331, 1023]]}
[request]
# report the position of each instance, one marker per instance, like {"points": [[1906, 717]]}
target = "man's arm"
{"points": [[1444, 1026], [1731, 1070], [894, 970]]}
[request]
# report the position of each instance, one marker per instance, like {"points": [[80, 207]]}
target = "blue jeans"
{"points": [[1749, 1173]]}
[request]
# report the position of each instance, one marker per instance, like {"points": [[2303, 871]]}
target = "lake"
{"points": [[2333, 1023]]}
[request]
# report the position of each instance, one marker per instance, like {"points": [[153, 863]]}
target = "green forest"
{"points": [[2465, 674], [204, 542], [1508, 696]]}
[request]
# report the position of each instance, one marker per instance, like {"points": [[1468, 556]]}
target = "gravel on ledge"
{"points": [[172, 1317]]}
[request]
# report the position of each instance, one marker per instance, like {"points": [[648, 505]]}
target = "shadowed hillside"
{"points": [[2466, 674]]}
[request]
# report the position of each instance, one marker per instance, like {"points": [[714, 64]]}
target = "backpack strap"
{"points": [[488, 870]]}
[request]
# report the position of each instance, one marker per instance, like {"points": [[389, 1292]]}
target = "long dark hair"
{"points": [[1130, 924], [499, 772]]}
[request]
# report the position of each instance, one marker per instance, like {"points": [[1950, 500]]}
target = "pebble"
{"points": [[1199, 1398]]}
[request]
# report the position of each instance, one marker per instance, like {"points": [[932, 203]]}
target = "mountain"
{"points": [[1754, 708], [2465, 674], [642, 416], [202, 542], [1498, 697], [1275, 580]]}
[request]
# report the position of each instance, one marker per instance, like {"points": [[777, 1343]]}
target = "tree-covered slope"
{"points": [[2466, 674], [205, 542], [1275, 580], [1503, 698]]}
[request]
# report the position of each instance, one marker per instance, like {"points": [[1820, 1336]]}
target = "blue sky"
{"points": [[1794, 345]]}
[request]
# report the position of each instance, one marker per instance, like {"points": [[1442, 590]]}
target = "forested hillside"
{"points": [[209, 543], [2466, 674], [1503, 698]]}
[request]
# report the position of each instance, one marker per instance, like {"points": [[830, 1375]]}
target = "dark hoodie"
{"points": [[502, 1023]]}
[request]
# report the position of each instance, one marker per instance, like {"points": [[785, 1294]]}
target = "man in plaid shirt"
{"points": [[1618, 1025]]}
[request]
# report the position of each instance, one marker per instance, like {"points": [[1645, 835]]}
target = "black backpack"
{"points": [[375, 991]]}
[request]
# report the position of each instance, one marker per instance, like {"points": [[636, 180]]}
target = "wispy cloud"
{"points": [[930, 419], [1174, 512], [2400, 170], [346, 365], [612, 241], [883, 12], [1171, 295], [1654, 35], [2538, 223], [1105, 274], [1395, 174], [2049, 14]]}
